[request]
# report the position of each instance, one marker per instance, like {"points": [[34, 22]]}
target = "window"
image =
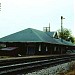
{"points": [[54, 48], [46, 49], [39, 47]]}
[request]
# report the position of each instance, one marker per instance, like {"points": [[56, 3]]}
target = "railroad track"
{"points": [[13, 65]]}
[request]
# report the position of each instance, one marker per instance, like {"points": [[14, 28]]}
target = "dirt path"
{"points": [[71, 73]]}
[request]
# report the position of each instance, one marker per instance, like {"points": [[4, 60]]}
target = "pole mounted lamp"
{"points": [[0, 6], [62, 26]]}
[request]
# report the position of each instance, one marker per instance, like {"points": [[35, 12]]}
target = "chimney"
{"points": [[49, 27], [46, 29]]}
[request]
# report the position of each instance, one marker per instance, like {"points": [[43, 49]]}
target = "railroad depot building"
{"points": [[33, 42]]}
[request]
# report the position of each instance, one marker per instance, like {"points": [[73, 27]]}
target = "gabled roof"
{"points": [[60, 41], [29, 35], [52, 34], [33, 35], [64, 42], [68, 43]]}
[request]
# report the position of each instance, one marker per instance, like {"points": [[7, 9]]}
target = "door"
{"points": [[30, 50]]}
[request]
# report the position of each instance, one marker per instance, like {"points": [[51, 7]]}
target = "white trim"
{"points": [[39, 47], [46, 49]]}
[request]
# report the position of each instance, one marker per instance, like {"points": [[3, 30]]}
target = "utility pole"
{"points": [[0, 6], [49, 27], [62, 27]]}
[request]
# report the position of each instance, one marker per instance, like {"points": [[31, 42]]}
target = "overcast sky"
{"points": [[17, 15]]}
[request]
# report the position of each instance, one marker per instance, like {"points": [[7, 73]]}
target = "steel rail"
{"points": [[38, 63]]}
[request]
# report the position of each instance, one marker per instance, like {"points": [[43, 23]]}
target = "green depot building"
{"points": [[33, 42]]}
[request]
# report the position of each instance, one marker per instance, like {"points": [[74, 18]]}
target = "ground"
{"points": [[71, 73]]}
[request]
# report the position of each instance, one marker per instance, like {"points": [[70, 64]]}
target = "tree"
{"points": [[66, 35]]}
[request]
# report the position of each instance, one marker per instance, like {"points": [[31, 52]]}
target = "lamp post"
{"points": [[0, 6], [62, 27]]}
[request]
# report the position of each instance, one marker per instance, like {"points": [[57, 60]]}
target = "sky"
{"points": [[17, 15]]}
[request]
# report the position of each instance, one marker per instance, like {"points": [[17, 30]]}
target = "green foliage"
{"points": [[66, 35], [72, 39]]}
